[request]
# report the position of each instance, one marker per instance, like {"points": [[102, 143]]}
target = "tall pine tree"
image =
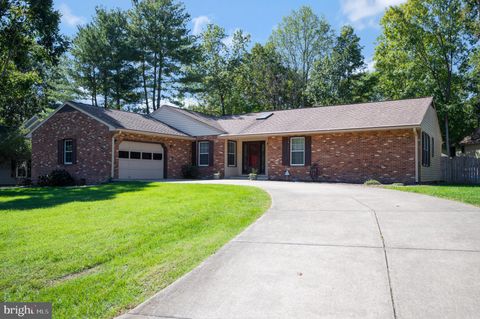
{"points": [[163, 45]]}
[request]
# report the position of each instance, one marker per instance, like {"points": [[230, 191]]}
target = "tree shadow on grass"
{"points": [[44, 197]]}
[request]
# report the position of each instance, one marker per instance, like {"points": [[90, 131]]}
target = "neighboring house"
{"points": [[393, 141], [471, 144], [12, 171]]}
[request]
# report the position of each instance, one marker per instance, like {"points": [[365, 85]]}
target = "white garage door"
{"points": [[140, 160]]}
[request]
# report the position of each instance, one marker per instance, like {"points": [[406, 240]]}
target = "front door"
{"points": [[253, 157]]}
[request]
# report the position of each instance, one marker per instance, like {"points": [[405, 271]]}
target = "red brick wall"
{"points": [[387, 156], [179, 151], [93, 146], [218, 158], [94, 143]]}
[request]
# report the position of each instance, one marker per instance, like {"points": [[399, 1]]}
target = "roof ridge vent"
{"points": [[264, 115]]}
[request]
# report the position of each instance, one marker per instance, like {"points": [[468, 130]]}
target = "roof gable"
{"points": [[204, 119], [116, 119]]}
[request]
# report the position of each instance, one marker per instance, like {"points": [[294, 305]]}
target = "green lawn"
{"points": [[464, 193], [96, 251]]}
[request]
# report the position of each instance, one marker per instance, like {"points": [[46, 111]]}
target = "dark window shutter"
{"points": [[29, 169], [13, 168], [433, 147], [308, 150], [286, 151], [423, 148], [210, 153], [60, 152], [74, 151], [428, 150], [194, 153]]}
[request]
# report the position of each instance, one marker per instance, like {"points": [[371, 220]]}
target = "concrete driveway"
{"points": [[337, 251]]}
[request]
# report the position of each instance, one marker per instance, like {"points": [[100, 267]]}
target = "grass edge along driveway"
{"points": [[469, 194], [98, 251]]}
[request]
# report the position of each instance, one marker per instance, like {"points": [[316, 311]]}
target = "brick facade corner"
{"points": [[93, 146]]}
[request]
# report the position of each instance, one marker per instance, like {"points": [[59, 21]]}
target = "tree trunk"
{"points": [[222, 102], [447, 139], [145, 91], [117, 87], [94, 88], [159, 85], [154, 88], [105, 90]]}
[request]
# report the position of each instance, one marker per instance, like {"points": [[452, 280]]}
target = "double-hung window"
{"points": [[232, 153], [203, 153], [21, 169], [68, 151], [297, 151]]}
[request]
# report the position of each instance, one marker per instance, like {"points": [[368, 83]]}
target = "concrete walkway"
{"points": [[337, 251]]}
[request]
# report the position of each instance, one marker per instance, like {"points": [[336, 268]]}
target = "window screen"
{"points": [[232, 153], [297, 151], [203, 153]]}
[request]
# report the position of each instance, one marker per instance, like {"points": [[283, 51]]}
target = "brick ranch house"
{"points": [[393, 141]]}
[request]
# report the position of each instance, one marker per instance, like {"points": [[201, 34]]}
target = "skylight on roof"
{"points": [[264, 116]]}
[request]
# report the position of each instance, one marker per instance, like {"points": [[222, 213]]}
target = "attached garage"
{"points": [[140, 160]]}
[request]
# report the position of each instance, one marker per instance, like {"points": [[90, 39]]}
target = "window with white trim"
{"points": [[21, 170], [232, 153], [297, 151], [67, 152], [203, 153]]}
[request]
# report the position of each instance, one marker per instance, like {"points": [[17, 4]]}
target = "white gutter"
{"points": [[416, 154], [155, 134], [326, 131]]}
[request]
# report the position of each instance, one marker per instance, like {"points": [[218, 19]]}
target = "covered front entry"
{"points": [[140, 160], [253, 157]]}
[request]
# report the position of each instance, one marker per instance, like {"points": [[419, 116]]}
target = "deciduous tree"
{"points": [[333, 77], [221, 59], [424, 49], [302, 38], [30, 45]]}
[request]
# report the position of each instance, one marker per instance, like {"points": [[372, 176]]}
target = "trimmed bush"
{"points": [[24, 182], [43, 180], [190, 172], [58, 177], [372, 182]]}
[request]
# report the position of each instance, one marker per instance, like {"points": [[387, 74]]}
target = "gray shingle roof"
{"points": [[128, 120], [386, 114], [399, 113]]}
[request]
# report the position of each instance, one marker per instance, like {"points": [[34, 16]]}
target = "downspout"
{"points": [[416, 154], [113, 156]]}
